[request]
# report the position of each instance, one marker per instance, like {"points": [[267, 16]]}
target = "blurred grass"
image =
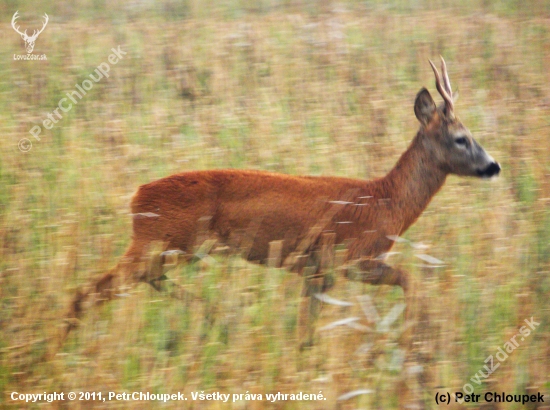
{"points": [[294, 87]]}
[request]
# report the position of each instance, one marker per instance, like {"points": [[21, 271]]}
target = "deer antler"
{"points": [[446, 80], [16, 28], [37, 32], [443, 84]]}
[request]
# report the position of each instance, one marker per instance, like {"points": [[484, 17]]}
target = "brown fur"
{"points": [[285, 207], [246, 210]]}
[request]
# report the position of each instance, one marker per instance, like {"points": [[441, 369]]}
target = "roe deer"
{"points": [[298, 209]]}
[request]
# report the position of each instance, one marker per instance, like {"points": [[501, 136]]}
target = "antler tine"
{"points": [[446, 80], [16, 28], [446, 97], [35, 32], [46, 19]]}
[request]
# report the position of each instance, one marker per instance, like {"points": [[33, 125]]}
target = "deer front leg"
{"points": [[316, 280], [309, 306], [376, 272]]}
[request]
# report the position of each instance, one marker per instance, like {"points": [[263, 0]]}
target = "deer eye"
{"points": [[461, 141]]}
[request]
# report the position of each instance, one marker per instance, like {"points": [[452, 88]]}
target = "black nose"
{"points": [[492, 170]]}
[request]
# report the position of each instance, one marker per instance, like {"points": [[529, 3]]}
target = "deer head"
{"points": [[447, 140], [29, 40]]}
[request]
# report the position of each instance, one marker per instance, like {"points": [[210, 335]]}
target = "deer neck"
{"points": [[414, 181]]}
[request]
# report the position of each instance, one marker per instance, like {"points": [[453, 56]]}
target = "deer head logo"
{"points": [[29, 40]]}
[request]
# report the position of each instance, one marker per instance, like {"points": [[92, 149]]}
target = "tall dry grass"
{"points": [[309, 88]]}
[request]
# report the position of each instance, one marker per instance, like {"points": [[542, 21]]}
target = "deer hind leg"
{"points": [[123, 276], [147, 262], [159, 264]]}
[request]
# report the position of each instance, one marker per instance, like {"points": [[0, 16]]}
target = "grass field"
{"points": [[300, 88]]}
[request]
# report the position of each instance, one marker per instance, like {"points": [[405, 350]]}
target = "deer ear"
{"points": [[424, 106]]}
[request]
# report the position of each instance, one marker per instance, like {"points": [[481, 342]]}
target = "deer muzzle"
{"points": [[492, 170]]}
